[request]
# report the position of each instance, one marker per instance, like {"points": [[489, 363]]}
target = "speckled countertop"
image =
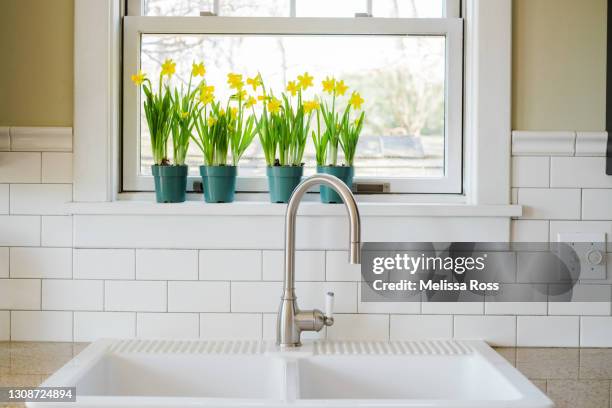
{"points": [[573, 378]]}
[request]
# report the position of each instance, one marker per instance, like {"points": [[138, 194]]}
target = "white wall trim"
{"points": [[488, 95], [38, 139], [5, 139], [97, 56], [559, 143]]}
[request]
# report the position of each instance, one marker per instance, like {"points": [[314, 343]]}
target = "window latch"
{"points": [[207, 14], [361, 15], [371, 188]]}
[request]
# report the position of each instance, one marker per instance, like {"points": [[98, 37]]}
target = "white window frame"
{"points": [[487, 118], [450, 28]]}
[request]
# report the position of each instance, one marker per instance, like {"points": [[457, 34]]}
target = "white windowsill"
{"points": [[307, 208]]}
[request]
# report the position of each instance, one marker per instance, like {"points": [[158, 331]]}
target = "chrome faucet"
{"points": [[291, 320]]}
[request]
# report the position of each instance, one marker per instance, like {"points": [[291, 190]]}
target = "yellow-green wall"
{"points": [[36, 73], [559, 58], [559, 63]]}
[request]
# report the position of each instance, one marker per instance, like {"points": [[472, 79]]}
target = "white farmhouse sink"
{"points": [[162, 373]]}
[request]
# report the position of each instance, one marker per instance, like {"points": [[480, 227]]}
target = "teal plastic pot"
{"points": [[219, 183], [344, 173], [170, 183], [282, 180]]}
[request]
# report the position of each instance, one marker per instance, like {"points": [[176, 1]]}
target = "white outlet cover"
{"points": [[584, 243]]}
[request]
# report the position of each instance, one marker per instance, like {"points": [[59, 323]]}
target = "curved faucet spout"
{"points": [[292, 321]]}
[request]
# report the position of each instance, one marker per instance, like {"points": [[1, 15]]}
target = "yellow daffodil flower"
{"points": [[139, 77], [241, 94], [305, 80], [356, 100], [234, 112], [309, 106], [263, 98], [329, 84], [221, 112], [292, 88], [168, 68], [251, 102], [207, 94], [235, 81], [211, 121], [341, 87], [198, 69], [255, 82], [274, 105], [184, 115]]}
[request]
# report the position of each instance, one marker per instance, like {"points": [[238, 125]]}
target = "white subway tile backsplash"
{"points": [[60, 294], [19, 230], [90, 326], [597, 204], [516, 308], [409, 305], [104, 263], [41, 262], [256, 297], [4, 262], [5, 326], [530, 230], [592, 144], [40, 199], [166, 264], [18, 167], [338, 268], [475, 308], [309, 265], [596, 331], [198, 296], [311, 295], [359, 327], [57, 167], [230, 265], [542, 203], [20, 294], [56, 231], [495, 330], [4, 199], [41, 326], [421, 327], [548, 331], [579, 172], [135, 296], [230, 326], [5, 139], [530, 171], [168, 325]]}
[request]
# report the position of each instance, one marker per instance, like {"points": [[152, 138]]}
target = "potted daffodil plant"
{"points": [[337, 129], [283, 131], [221, 130], [168, 113]]}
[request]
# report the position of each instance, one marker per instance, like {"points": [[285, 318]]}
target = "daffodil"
{"points": [[211, 121], [255, 82], [262, 97], [234, 112], [139, 77], [207, 94], [309, 106], [356, 100], [241, 94], [168, 68], [184, 115], [274, 105], [198, 69], [251, 102], [235, 81], [292, 88], [329, 84], [305, 80], [341, 88]]}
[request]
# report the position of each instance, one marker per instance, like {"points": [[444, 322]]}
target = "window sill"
{"points": [[313, 209]]}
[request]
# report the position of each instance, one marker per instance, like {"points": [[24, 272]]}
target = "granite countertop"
{"points": [[572, 378]]}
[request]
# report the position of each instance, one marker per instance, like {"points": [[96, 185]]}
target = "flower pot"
{"points": [[170, 183], [219, 183], [344, 173], [282, 180]]}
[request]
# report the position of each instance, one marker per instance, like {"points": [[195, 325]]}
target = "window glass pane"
{"points": [[327, 8], [401, 78], [408, 8], [242, 8]]}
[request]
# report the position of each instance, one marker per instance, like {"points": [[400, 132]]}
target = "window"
{"points": [[406, 61]]}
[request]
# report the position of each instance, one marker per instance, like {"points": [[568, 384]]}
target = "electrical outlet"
{"points": [[591, 250]]}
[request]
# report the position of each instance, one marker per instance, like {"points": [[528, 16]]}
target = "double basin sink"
{"points": [[419, 374]]}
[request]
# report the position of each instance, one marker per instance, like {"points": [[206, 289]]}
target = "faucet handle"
{"points": [[329, 308]]}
